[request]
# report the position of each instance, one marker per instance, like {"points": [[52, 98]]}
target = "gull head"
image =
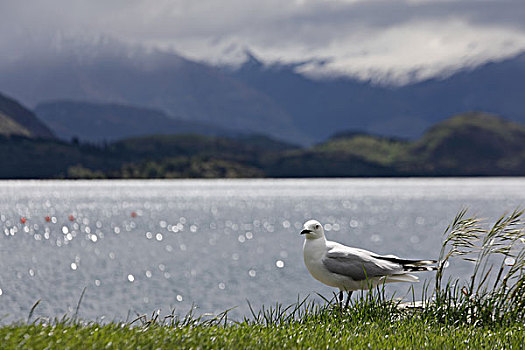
{"points": [[312, 229]]}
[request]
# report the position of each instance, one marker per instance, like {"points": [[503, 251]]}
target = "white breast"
{"points": [[313, 253]]}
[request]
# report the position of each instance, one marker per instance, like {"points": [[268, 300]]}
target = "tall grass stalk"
{"points": [[495, 290]]}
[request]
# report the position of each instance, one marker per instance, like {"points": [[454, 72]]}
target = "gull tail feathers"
{"points": [[401, 278], [410, 265]]}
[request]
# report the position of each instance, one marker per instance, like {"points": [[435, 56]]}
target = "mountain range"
{"points": [[322, 107], [470, 144], [180, 88], [270, 99]]}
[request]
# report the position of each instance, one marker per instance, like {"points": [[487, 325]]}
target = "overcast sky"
{"points": [[391, 40]]}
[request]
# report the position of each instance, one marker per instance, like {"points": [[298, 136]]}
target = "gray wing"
{"points": [[358, 264]]}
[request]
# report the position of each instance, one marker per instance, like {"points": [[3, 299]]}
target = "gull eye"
{"points": [[317, 227]]}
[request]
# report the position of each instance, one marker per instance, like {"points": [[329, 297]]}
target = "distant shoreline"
{"points": [[469, 145]]}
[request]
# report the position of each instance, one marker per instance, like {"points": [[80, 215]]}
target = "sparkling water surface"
{"points": [[139, 246]]}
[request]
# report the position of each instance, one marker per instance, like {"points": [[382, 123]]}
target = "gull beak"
{"points": [[305, 231]]}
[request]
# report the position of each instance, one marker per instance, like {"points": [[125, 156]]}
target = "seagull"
{"points": [[350, 269]]}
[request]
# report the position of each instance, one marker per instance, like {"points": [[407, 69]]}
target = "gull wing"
{"points": [[358, 264]]}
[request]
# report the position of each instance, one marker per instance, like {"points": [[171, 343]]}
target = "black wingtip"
{"points": [[407, 262]]}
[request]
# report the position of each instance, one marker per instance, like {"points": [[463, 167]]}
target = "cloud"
{"points": [[384, 40]]}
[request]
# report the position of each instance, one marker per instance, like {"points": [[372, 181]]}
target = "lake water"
{"points": [[139, 246]]}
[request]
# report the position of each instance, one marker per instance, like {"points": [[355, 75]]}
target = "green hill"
{"points": [[9, 127], [468, 144], [471, 144], [15, 119], [380, 150]]}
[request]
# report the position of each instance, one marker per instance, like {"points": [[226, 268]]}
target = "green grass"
{"points": [[485, 311], [327, 332], [366, 325]]}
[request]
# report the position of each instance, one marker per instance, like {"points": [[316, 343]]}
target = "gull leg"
{"points": [[341, 296], [348, 299]]}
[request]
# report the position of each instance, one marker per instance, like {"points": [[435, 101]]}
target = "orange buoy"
{"points": [[23, 220], [48, 219], [71, 217], [133, 214]]}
